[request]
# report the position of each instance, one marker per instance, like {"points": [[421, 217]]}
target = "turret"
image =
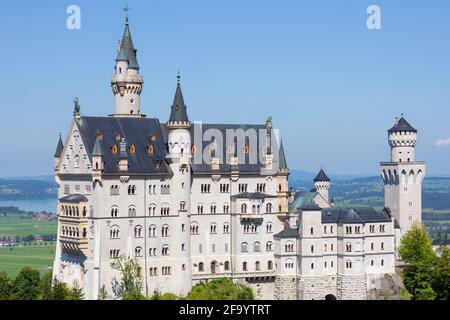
{"points": [[127, 83], [58, 152], [98, 158], [322, 185], [402, 140]]}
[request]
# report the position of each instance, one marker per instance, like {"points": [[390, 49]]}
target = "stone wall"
{"points": [[351, 287], [286, 288], [316, 287]]}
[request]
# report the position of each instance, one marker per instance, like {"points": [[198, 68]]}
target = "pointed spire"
{"points": [[321, 176], [178, 111], [282, 158], [98, 146], [59, 148], [127, 51]]}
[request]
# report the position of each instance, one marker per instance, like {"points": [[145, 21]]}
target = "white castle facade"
{"points": [[196, 202]]}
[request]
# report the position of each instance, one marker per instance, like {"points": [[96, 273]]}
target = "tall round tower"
{"points": [[127, 83], [179, 158], [403, 176]]}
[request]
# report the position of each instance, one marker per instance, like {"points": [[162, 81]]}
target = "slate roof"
{"points": [[354, 215], [178, 111], [59, 148], [282, 157], [287, 233], [127, 52], [98, 147], [246, 165], [73, 198], [137, 132], [253, 195], [321, 176], [402, 126], [304, 201]]}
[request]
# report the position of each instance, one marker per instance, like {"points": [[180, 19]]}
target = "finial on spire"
{"points": [[178, 77], [126, 9]]}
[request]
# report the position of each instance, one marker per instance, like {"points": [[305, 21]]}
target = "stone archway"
{"points": [[330, 297]]}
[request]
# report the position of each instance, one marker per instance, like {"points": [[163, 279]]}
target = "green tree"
{"points": [[129, 287], [417, 253], [441, 282], [60, 291], [220, 289], [26, 284], [103, 293], [45, 286], [6, 286], [75, 293]]}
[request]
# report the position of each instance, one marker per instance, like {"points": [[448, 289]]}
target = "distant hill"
{"points": [[27, 189]]}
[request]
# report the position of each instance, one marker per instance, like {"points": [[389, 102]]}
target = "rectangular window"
{"points": [[88, 189], [200, 249], [77, 188], [66, 189], [213, 248], [226, 247]]}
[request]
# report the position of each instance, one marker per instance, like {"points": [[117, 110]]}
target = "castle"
{"points": [[193, 202]]}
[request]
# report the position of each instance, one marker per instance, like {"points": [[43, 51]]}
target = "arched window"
{"points": [[165, 231], [132, 211], [165, 250], [244, 266], [213, 228], [132, 149], [270, 265], [226, 228], [269, 227], [257, 266], [138, 231], [226, 265], [244, 247], [269, 208], [138, 252], [152, 210], [114, 232], [257, 247], [150, 150], [114, 212], [114, 149], [243, 208], [77, 161], [152, 231], [201, 267], [182, 206], [269, 246]]}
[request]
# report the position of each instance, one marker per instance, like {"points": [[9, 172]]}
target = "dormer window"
{"points": [[230, 149], [150, 150], [114, 149], [158, 164], [117, 136], [132, 149], [194, 148], [246, 149], [152, 137]]}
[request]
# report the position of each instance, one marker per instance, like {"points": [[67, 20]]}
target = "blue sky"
{"points": [[332, 86]]}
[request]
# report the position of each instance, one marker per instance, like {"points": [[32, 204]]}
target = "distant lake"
{"points": [[48, 205]]}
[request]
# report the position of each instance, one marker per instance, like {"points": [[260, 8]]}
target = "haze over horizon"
{"points": [[332, 86]]}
